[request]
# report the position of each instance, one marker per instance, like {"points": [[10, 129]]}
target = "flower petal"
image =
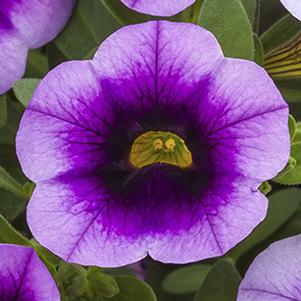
{"points": [[80, 213], [23, 276], [293, 6], [77, 214], [246, 120], [227, 215], [13, 55], [275, 274], [37, 22], [76, 96], [66, 101], [27, 24], [84, 117], [158, 7], [149, 65]]}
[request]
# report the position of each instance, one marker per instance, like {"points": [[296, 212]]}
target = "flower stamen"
{"points": [[170, 144], [160, 147], [158, 144]]}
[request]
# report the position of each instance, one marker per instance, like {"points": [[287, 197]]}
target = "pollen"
{"points": [[155, 147], [158, 144], [170, 144]]}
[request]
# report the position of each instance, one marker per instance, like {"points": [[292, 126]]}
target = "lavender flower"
{"points": [[158, 7], [23, 277], [27, 24], [275, 274], [157, 146], [293, 6]]}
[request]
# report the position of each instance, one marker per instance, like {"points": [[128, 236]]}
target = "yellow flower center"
{"points": [[160, 147]]}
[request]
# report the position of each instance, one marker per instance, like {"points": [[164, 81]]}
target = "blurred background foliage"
{"points": [[251, 29]]}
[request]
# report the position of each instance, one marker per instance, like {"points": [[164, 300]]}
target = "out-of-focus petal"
{"points": [[158, 7], [275, 274], [13, 54], [26, 24], [293, 6], [24, 277]]}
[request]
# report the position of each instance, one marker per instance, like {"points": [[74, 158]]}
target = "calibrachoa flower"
{"points": [[23, 277], [293, 6], [156, 146], [27, 24], [158, 7], [275, 274]]}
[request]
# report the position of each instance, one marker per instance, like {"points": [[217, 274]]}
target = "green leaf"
{"points": [[290, 89], [270, 11], [284, 61], [291, 164], [251, 8], [292, 177], [14, 113], [90, 24], [55, 55], [221, 283], [228, 21], [46, 254], [265, 188], [7, 182], [282, 205], [259, 53], [10, 235], [192, 13], [24, 89], [132, 289], [290, 228], [297, 137], [123, 14], [292, 124], [66, 274], [102, 284], [187, 279], [124, 271], [3, 110], [11, 206], [280, 32], [156, 273], [37, 64]]}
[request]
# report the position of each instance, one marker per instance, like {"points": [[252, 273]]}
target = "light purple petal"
{"points": [[158, 7], [38, 21], [69, 108], [128, 59], [78, 215], [275, 274], [246, 119], [24, 277], [84, 117], [293, 6], [145, 61], [152, 51], [228, 213], [13, 54], [27, 24]]}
